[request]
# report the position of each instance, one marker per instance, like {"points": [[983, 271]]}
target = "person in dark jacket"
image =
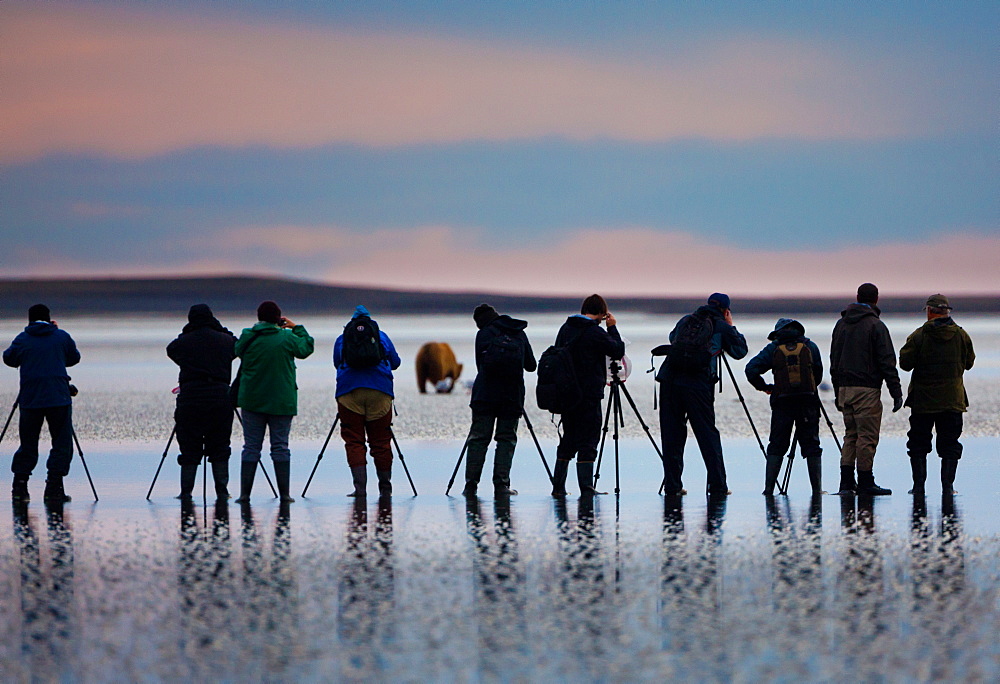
{"points": [[797, 370], [861, 359], [938, 352], [204, 413], [687, 394], [364, 404], [590, 347], [503, 353], [41, 353]]}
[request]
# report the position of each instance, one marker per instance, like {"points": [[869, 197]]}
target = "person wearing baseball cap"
{"points": [[938, 352]]}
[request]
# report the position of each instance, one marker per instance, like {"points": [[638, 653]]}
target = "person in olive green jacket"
{"points": [[268, 394], [938, 352]]}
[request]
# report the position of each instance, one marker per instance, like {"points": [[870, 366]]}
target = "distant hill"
{"points": [[239, 293]]}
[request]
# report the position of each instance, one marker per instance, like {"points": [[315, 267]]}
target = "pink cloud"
{"points": [[134, 82]]}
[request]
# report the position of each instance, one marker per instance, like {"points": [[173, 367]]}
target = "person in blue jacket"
{"points": [[364, 405], [797, 370], [41, 353]]}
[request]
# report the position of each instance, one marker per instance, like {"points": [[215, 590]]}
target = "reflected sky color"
{"points": [[636, 150]]}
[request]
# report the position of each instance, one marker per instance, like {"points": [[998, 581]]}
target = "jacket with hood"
{"points": [[267, 382], [204, 351], [378, 377], [502, 394], [861, 353], [787, 330], [725, 339], [938, 352], [41, 353], [590, 348]]}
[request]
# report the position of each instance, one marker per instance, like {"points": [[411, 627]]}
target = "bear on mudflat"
{"points": [[436, 364]]}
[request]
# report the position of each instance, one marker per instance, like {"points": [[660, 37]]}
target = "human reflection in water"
{"points": [[861, 584], [271, 595], [205, 583], [797, 559], [47, 599], [498, 598], [583, 616], [939, 584], [690, 588], [366, 594]]}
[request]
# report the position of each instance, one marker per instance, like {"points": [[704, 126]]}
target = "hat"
{"points": [[867, 294], [269, 312], [200, 313], [484, 315], [39, 312], [720, 300], [360, 311], [938, 301]]}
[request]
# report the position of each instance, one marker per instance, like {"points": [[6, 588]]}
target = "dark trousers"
{"points": [[486, 426], [581, 432], [678, 405], [947, 424], [802, 415], [60, 420], [204, 430]]}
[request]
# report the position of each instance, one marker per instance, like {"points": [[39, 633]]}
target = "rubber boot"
{"points": [[19, 489], [918, 467], [949, 466], [814, 464], [188, 475], [360, 476], [772, 469], [559, 478], [473, 471], [384, 482], [501, 473], [585, 477], [867, 486], [247, 471], [54, 492], [282, 475], [220, 473], [848, 487]]}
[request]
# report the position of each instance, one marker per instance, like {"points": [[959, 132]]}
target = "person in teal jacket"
{"points": [[268, 394]]}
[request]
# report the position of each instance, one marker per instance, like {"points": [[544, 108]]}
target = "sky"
{"points": [[544, 147]]}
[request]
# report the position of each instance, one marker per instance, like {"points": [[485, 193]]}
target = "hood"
{"points": [[360, 311], [200, 316], [787, 328], [40, 328], [941, 328], [709, 310], [579, 322], [857, 312], [509, 323], [265, 328]]}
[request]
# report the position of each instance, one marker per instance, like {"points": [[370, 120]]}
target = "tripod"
{"points": [[466, 446], [615, 407]]}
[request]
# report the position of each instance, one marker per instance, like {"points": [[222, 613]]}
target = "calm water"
{"points": [[433, 587]]}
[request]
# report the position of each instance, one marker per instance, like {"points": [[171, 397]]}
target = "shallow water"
{"points": [[433, 587]]}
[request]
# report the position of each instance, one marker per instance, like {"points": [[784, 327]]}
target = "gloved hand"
{"points": [[897, 403]]}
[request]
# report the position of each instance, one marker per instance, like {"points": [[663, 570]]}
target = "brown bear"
{"points": [[436, 364]]}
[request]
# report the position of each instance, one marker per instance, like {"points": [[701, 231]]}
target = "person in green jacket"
{"points": [[268, 394], [938, 352]]}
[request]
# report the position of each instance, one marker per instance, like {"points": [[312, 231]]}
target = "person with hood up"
{"points": [[268, 394], [204, 414], [797, 370], [590, 347], [41, 353], [938, 352], [687, 380], [503, 354], [364, 394], [861, 359]]}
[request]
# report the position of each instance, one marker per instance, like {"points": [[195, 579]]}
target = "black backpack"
{"points": [[558, 389], [690, 352], [792, 367], [362, 344], [503, 354]]}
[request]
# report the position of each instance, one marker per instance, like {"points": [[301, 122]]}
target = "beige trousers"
{"points": [[862, 409]]}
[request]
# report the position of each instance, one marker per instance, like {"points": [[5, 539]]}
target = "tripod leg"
{"points": [[619, 420], [829, 424], [321, 452], [85, 468], [604, 436], [783, 489], [266, 477], [537, 445], [645, 427], [9, 416], [744, 402], [454, 473], [164, 458], [403, 461]]}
